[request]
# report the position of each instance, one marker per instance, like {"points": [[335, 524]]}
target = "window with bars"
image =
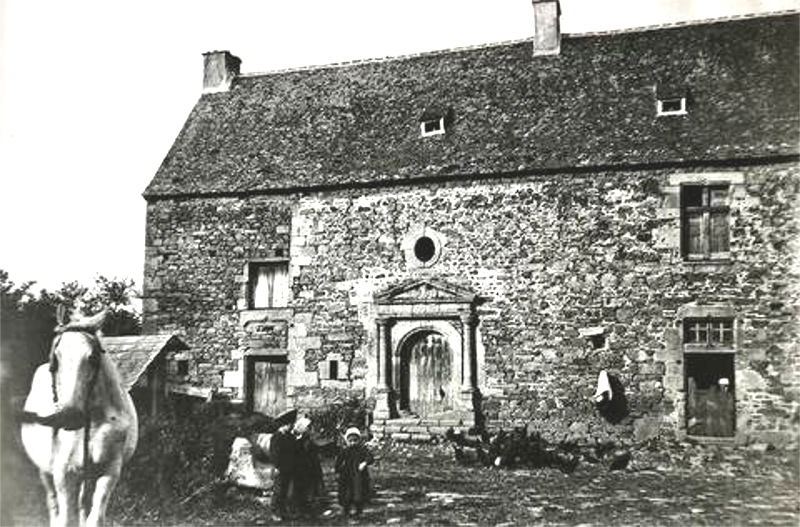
{"points": [[268, 284], [708, 333], [704, 221]]}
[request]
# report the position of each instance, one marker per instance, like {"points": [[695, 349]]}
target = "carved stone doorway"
{"points": [[426, 360]]}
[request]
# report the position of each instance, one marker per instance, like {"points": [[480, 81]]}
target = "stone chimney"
{"points": [[547, 36], [220, 68]]}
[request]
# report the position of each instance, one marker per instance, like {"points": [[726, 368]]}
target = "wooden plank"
{"points": [[269, 387]]}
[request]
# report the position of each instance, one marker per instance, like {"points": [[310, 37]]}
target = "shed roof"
{"points": [[507, 111], [132, 355]]}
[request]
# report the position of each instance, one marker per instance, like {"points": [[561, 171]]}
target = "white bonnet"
{"points": [[301, 425], [352, 430]]}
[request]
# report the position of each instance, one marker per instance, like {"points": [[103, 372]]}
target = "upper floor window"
{"points": [[268, 284], [704, 221]]}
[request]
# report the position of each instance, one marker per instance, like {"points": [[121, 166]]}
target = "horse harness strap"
{"points": [[95, 363]]}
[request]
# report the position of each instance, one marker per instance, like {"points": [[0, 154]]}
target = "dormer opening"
{"points": [[434, 120], [432, 127], [672, 106], [671, 99]]}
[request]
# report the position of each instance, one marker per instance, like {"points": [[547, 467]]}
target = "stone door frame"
{"points": [[410, 308]]}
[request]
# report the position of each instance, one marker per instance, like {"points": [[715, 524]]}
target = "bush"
{"points": [[331, 421], [179, 457]]}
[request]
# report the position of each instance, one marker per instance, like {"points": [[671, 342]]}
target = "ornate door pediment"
{"points": [[425, 291]]}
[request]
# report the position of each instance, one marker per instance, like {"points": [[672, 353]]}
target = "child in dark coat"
{"points": [[308, 482], [284, 452], [351, 472]]}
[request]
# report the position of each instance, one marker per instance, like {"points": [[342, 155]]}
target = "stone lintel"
{"points": [[266, 352], [264, 315]]}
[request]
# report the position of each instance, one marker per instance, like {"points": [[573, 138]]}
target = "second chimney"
{"points": [[547, 36], [220, 68]]}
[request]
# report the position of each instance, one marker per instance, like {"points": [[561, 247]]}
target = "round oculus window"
{"points": [[425, 249]]}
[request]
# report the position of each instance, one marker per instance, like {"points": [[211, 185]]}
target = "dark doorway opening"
{"points": [[710, 394]]}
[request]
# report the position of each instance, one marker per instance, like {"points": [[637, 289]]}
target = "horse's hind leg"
{"points": [[50, 496], [87, 496], [104, 486], [67, 490]]}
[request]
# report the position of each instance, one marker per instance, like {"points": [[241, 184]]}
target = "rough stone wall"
{"points": [[195, 255], [550, 257]]}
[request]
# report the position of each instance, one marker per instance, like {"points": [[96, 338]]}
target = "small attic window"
{"points": [[434, 126], [671, 98], [672, 106]]}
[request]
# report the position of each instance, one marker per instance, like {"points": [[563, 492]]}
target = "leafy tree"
{"points": [[115, 295], [27, 323], [28, 319]]}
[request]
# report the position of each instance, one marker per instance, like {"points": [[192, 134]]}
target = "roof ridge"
{"points": [[686, 23], [378, 60], [472, 47]]}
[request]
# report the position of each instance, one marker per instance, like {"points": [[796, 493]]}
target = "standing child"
{"points": [[284, 452], [308, 470], [352, 474]]}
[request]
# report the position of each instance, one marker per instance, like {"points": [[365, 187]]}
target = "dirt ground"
{"points": [[422, 484]]}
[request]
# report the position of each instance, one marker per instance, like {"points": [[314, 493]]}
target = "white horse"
{"points": [[79, 425]]}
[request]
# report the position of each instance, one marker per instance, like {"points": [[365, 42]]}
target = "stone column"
{"points": [[468, 366], [384, 384]]}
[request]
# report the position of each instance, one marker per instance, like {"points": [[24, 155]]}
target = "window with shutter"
{"points": [[704, 219]]}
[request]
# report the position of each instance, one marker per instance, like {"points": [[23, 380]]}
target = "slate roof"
{"points": [[506, 111], [132, 355]]}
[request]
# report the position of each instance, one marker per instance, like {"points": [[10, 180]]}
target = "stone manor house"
{"points": [[473, 235]]}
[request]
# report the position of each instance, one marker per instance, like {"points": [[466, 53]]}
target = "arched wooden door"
{"points": [[425, 374]]}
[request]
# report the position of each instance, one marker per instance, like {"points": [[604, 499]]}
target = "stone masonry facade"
{"points": [[594, 235], [551, 258]]}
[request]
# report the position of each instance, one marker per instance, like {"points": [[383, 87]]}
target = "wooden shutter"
{"points": [[704, 217], [695, 233]]}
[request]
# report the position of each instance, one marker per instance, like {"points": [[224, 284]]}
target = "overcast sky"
{"points": [[92, 94]]}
